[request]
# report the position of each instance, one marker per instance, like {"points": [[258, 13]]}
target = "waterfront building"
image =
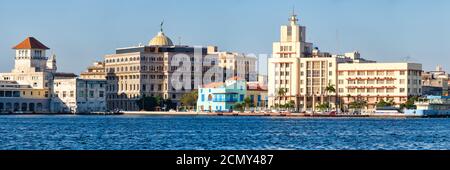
{"points": [[235, 64], [431, 106], [221, 96], [77, 95], [15, 97], [435, 83], [372, 82], [257, 92], [283, 70], [135, 72], [27, 87], [308, 77], [95, 71]]}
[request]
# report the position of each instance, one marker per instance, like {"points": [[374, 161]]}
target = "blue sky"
{"points": [[82, 31]]}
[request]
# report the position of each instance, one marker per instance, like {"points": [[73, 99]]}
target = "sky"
{"points": [[80, 32]]}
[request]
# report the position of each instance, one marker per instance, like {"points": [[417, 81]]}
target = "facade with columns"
{"points": [[308, 77], [149, 70]]}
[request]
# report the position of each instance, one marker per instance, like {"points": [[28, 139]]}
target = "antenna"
{"points": [[162, 24], [406, 59]]}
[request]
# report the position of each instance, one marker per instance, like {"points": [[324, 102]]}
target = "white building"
{"points": [[303, 75], [283, 72], [75, 95], [30, 80], [235, 64]]}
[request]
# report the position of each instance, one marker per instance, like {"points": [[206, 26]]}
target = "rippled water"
{"points": [[202, 132]]}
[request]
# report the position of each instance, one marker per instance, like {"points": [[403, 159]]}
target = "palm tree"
{"points": [[330, 89], [348, 100], [281, 93]]}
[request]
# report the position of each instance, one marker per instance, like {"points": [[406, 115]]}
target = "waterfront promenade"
{"points": [[364, 115], [228, 114]]}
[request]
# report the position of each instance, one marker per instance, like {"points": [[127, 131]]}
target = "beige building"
{"points": [[302, 74], [372, 82], [151, 70], [257, 93], [284, 66], [96, 71], [140, 71]]}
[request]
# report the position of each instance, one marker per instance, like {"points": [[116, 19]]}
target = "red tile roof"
{"points": [[213, 85], [256, 86], [31, 43]]}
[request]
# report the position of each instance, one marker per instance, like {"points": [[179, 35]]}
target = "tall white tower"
{"points": [[30, 56], [284, 66]]}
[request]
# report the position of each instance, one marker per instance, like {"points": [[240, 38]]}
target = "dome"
{"points": [[161, 40]]}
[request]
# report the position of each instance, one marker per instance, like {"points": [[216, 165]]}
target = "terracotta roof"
{"points": [[213, 85], [31, 43], [256, 86]]}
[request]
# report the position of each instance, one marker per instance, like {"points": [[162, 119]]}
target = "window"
{"points": [[101, 94], [91, 94]]}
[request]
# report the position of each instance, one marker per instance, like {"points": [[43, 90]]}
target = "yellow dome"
{"points": [[161, 40]]}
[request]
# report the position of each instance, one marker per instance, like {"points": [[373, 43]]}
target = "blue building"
{"points": [[219, 96]]}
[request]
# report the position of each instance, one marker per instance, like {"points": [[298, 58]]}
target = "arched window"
{"points": [[210, 97]]}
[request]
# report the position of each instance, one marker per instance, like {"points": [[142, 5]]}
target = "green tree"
{"points": [[239, 106], [410, 104], [248, 102], [383, 103], [147, 103], [330, 89], [358, 104], [323, 107], [168, 104], [281, 92], [290, 105], [189, 99]]}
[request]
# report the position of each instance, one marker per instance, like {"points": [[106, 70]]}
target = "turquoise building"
{"points": [[221, 96]]}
